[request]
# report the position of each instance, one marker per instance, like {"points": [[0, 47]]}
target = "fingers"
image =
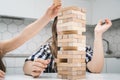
{"points": [[35, 74], [2, 74], [37, 69], [107, 21], [39, 66], [55, 7], [45, 62]]}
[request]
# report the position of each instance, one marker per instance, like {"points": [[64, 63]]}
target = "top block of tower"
{"points": [[72, 12], [57, 2], [72, 9]]}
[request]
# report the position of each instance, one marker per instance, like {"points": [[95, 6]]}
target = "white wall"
{"points": [[105, 9]]}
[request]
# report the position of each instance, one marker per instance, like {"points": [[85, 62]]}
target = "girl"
{"points": [[39, 62], [30, 31]]}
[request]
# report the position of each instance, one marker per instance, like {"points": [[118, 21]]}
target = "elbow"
{"points": [[97, 71], [24, 69]]}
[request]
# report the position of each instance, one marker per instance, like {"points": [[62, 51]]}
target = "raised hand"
{"points": [[101, 28], [52, 11]]}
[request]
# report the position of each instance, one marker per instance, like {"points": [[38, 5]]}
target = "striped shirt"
{"points": [[44, 53]]}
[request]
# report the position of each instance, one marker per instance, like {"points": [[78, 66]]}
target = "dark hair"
{"points": [[54, 38], [2, 66]]}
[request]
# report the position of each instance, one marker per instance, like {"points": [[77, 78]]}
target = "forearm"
{"points": [[27, 68], [97, 62], [30, 31]]}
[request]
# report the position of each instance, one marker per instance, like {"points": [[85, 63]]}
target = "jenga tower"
{"points": [[71, 56]]}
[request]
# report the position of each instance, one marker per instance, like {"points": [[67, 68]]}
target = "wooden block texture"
{"points": [[57, 2], [71, 57]]}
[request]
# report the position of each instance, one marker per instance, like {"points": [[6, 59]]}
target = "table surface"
{"points": [[53, 76]]}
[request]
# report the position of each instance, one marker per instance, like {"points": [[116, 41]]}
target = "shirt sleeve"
{"points": [[89, 54], [43, 53]]}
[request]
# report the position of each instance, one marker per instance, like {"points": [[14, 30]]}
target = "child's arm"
{"points": [[97, 62], [30, 31]]}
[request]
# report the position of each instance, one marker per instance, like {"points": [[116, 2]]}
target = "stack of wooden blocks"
{"points": [[72, 42]]}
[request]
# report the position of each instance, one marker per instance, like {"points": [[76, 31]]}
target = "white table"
{"points": [[53, 76]]}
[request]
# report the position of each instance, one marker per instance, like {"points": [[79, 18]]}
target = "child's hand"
{"points": [[52, 11], [101, 28], [2, 74], [39, 66]]}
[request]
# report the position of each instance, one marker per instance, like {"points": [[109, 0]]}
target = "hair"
{"points": [[2, 66], [54, 47]]}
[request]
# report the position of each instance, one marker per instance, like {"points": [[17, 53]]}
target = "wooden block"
{"points": [[72, 24], [60, 37], [62, 20], [71, 73], [67, 28], [83, 56], [57, 2], [70, 32], [72, 52], [63, 44], [67, 40], [72, 68], [71, 8], [76, 60], [79, 13], [65, 37], [67, 48], [80, 16], [60, 14], [70, 36], [77, 36], [71, 60], [71, 64], [83, 10], [83, 17], [64, 77], [67, 17], [75, 77], [69, 56]]}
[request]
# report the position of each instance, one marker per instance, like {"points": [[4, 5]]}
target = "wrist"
{"points": [[46, 18], [98, 35]]}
